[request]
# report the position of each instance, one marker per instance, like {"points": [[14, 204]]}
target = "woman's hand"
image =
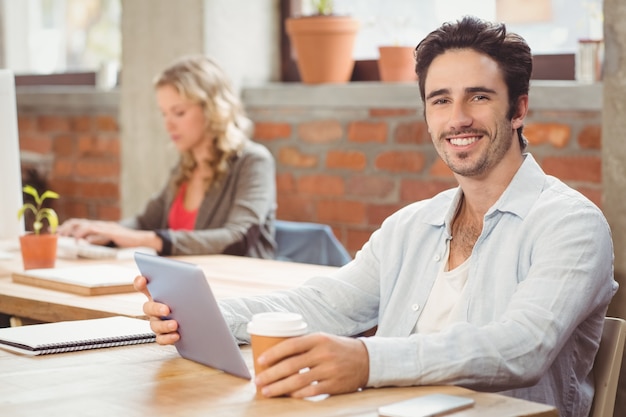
{"points": [[89, 230], [103, 233], [165, 330]]}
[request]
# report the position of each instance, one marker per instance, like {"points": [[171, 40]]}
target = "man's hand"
{"points": [[332, 364], [165, 330]]}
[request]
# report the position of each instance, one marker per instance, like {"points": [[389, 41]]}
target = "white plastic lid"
{"points": [[277, 325]]}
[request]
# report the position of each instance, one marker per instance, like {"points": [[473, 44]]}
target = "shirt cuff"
{"points": [[393, 361], [164, 234]]}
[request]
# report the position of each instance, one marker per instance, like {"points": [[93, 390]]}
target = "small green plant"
{"points": [[323, 7], [40, 212]]}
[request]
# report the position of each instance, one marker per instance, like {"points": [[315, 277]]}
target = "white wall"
{"points": [[243, 37]]}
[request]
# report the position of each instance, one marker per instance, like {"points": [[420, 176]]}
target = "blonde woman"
{"points": [[221, 196]]}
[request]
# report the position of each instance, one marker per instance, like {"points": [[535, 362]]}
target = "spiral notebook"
{"points": [[68, 336]]}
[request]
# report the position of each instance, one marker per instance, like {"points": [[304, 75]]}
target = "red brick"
{"points": [[97, 168], [574, 168], [363, 132], [357, 238], [557, 134], [400, 161], [81, 124], [35, 142], [108, 213], [99, 190], [62, 167], [26, 123], [590, 137], [377, 213], [270, 130], [320, 131], [353, 160], [413, 132], [73, 210], [53, 123], [64, 145], [86, 144], [94, 145], [293, 157], [110, 144], [440, 169], [392, 112], [285, 183], [338, 232], [296, 208], [341, 211], [416, 190], [321, 185], [371, 186], [565, 114], [67, 188], [97, 145], [105, 123]]}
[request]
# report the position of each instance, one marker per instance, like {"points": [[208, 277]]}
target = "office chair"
{"points": [[607, 365], [311, 243]]}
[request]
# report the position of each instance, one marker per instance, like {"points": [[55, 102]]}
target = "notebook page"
{"points": [[75, 335]]}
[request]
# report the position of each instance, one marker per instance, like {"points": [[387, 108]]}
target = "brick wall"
{"points": [[78, 156], [352, 170], [346, 166]]}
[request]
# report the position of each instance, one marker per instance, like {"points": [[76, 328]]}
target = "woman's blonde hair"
{"points": [[200, 80]]}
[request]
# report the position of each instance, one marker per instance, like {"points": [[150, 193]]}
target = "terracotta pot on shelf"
{"points": [[396, 64], [38, 251], [323, 47]]}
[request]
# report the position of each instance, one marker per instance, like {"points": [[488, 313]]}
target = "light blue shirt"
{"points": [[540, 280]]}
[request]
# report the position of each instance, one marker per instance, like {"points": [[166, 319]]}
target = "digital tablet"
{"points": [[204, 334]]}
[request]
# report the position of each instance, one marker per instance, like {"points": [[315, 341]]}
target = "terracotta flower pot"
{"points": [[396, 63], [323, 47], [38, 251]]}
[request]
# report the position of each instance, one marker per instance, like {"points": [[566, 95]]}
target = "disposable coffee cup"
{"points": [[269, 329]]}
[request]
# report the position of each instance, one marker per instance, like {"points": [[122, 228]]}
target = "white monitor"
{"points": [[10, 167]]}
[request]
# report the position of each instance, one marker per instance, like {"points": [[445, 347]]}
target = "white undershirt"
{"points": [[444, 297]]}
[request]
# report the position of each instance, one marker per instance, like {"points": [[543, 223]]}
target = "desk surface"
{"points": [[229, 276], [152, 380]]}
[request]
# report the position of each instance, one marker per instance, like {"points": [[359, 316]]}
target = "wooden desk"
{"points": [[152, 380], [229, 276]]}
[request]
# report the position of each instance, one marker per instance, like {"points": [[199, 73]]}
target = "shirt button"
{"points": [[437, 258], [415, 307]]}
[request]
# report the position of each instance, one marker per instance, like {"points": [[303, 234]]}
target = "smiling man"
{"points": [[500, 284]]}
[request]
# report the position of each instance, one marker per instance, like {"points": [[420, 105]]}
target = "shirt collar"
{"points": [[523, 190], [517, 198]]}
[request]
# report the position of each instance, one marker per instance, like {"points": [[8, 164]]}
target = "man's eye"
{"points": [[480, 98]]}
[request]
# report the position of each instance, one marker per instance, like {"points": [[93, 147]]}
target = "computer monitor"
{"points": [[10, 167]]}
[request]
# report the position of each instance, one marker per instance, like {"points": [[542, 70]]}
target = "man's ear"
{"points": [[520, 112]]}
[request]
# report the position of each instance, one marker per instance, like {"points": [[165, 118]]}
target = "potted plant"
{"points": [[396, 63], [323, 44], [39, 247], [396, 60]]}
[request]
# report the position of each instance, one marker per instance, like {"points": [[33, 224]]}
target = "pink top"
{"points": [[180, 218]]}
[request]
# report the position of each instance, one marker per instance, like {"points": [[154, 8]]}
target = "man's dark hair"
{"points": [[509, 50]]}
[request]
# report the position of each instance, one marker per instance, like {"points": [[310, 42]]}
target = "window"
{"points": [[60, 36], [551, 27]]}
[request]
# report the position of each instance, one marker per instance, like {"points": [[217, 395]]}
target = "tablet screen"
{"points": [[204, 334]]}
